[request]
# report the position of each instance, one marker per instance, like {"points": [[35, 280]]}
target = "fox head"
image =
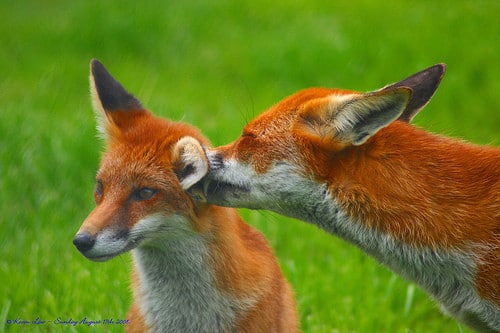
{"points": [[144, 170], [296, 141]]}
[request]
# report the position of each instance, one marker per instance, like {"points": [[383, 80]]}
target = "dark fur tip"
{"points": [[111, 93], [436, 72], [424, 84]]}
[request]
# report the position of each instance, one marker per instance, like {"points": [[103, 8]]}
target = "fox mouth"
{"points": [[212, 188], [101, 258], [103, 255], [107, 256], [215, 191]]}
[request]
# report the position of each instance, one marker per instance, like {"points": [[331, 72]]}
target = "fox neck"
{"points": [[176, 284], [408, 208], [419, 188], [416, 188], [448, 275]]}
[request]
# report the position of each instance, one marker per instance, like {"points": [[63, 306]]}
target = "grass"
{"points": [[215, 64]]}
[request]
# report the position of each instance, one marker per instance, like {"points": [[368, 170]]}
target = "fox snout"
{"points": [[103, 245], [215, 159], [86, 243]]}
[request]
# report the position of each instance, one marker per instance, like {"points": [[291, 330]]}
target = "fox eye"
{"points": [[143, 193], [246, 134]]}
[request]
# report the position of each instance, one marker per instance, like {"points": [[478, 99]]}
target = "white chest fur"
{"points": [[177, 289]]}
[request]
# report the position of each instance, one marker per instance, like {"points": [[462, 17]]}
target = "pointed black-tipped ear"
{"points": [[109, 93], [423, 85], [109, 96]]}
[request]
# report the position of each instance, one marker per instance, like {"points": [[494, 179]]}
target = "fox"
{"points": [[425, 205], [197, 267]]}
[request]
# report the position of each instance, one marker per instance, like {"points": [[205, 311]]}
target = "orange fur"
{"points": [[426, 205], [142, 206]]}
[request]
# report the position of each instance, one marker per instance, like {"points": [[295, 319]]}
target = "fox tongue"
{"points": [[199, 191], [206, 185]]}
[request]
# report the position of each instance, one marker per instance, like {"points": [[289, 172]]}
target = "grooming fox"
{"points": [[197, 267], [425, 205]]}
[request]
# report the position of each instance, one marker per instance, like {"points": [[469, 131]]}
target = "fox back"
{"points": [[197, 267], [425, 205]]}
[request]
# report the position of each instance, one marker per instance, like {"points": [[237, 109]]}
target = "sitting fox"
{"points": [[197, 267], [425, 205]]}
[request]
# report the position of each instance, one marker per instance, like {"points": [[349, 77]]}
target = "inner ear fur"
{"points": [[190, 161], [342, 120]]}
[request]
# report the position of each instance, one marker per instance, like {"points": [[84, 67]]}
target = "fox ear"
{"points": [[108, 96], [190, 161], [351, 119], [423, 85]]}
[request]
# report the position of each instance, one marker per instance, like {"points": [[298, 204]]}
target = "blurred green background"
{"points": [[215, 64]]}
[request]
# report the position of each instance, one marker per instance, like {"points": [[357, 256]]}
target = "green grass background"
{"points": [[215, 64]]}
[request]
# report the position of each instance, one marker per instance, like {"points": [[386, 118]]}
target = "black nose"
{"points": [[84, 241]]}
